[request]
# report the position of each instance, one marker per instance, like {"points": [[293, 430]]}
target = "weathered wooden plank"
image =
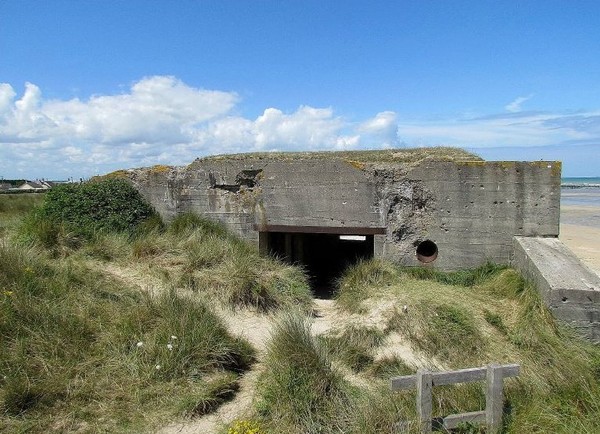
{"points": [[454, 420], [404, 382], [512, 370], [494, 398], [471, 375], [461, 376], [453, 377], [424, 401]]}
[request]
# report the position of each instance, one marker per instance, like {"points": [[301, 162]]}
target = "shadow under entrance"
{"points": [[324, 256]]}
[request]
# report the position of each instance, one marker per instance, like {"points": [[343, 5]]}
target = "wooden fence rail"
{"points": [[494, 398]]}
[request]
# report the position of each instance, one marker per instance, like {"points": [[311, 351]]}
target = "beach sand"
{"points": [[580, 232]]}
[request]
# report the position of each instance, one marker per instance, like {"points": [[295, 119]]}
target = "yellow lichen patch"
{"points": [[356, 164], [507, 164], [554, 166], [160, 168]]}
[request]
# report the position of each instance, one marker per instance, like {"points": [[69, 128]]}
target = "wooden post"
{"points": [[424, 409], [494, 398]]}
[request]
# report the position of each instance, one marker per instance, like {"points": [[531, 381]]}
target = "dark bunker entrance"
{"points": [[323, 253]]}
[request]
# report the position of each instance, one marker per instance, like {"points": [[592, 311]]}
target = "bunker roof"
{"points": [[397, 155]]}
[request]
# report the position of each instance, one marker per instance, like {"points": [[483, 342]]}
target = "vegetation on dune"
{"points": [[112, 329], [300, 391], [354, 345], [356, 284], [81, 352], [474, 317], [12, 208], [81, 349]]}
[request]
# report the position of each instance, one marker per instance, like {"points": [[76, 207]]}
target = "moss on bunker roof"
{"points": [[401, 155]]}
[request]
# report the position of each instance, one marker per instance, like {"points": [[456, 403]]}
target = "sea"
{"points": [[580, 191]]}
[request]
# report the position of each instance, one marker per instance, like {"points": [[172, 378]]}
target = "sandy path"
{"points": [[255, 328]]}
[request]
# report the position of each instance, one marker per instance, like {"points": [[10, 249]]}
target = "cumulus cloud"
{"points": [[515, 105], [162, 120], [159, 119]]}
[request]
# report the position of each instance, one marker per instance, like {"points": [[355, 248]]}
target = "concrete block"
{"points": [[569, 288]]}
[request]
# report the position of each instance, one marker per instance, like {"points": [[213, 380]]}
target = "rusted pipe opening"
{"points": [[427, 251]]}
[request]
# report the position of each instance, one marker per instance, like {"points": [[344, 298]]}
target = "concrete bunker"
{"points": [[324, 252], [297, 205]]}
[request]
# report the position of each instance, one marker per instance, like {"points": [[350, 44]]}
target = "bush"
{"points": [[112, 205]]}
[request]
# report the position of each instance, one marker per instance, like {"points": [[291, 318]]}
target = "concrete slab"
{"points": [[570, 289]]}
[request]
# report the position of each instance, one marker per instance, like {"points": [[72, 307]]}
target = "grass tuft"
{"points": [[468, 277], [189, 222], [441, 330], [299, 391], [355, 346], [354, 285]]}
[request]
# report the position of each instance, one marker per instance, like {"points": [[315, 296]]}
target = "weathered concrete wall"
{"points": [[471, 210], [570, 289], [479, 206]]}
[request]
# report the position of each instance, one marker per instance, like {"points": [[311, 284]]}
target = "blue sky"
{"points": [[89, 86]]}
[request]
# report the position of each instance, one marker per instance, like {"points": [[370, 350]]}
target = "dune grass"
{"points": [[12, 209], [490, 314], [300, 391], [81, 352], [456, 320], [82, 349]]}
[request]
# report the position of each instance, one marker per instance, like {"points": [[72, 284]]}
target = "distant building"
{"points": [[36, 185]]}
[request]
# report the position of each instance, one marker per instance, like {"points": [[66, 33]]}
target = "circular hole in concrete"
{"points": [[427, 251]]}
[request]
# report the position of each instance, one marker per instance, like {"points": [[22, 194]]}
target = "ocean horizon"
{"points": [[580, 191]]}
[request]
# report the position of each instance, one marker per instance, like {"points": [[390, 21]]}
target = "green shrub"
{"points": [[112, 205]]}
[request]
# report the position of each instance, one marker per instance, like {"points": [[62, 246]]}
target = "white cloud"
{"points": [[163, 120], [526, 129], [515, 106], [382, 129]]}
